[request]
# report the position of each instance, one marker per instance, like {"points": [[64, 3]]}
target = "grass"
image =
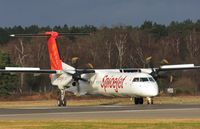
{"points": [[100, 101], [178, 100], [104, 124]]}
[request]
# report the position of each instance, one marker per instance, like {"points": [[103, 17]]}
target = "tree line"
{"points": [[107, 47]]}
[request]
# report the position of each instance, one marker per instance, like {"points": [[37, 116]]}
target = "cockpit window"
{"points": [[136, 80], [151, 79], [144, 79]]}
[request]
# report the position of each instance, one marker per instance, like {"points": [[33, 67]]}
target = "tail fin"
{"points": [[55, 61]]}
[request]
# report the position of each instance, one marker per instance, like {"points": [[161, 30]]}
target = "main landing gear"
{"points": [[140, 100], [62, 101]]}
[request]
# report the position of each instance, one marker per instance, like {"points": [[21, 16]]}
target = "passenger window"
{"points": [[151, 79], [136, 80], [144, 79]]}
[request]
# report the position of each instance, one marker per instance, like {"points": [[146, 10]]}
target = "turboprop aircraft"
{"points": [[137, 83]]}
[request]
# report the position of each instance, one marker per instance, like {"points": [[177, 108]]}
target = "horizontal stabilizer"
{"points": [[47, 35]]}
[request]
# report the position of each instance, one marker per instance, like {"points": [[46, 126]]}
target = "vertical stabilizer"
{"points": [[55, 61]]}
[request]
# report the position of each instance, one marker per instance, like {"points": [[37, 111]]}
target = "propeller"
{"points": [[78, 72], [171, 76], [156, 72]]}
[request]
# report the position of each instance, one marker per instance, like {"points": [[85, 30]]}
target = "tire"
{"points": [[64, 102], [59, 103], [149, 101], [152, 101], [138, 100], [141, 100]]}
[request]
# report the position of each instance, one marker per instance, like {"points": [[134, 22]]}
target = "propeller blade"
{"points": [[171, 78], [84, 80], [164, 61], [74, 60], [74, 34], [84, 71], [89, 65], [148, 59]]}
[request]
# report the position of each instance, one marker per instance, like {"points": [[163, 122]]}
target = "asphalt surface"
{"points": [[168, 111]]}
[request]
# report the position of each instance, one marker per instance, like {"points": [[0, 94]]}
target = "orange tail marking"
{"points": [[55, 61]]}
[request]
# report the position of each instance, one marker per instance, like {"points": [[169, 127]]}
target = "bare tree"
{"points": [[108, 51], [37, 51], [21, 62], [193, 45], [140, 56], [120, 41], [40, 53], [137, 55], [177, 44], [93, 52]]}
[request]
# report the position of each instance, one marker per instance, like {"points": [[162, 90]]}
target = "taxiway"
{"points": [[167, 111]]}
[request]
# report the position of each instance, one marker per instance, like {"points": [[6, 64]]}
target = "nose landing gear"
{"points": [[140, 100]]}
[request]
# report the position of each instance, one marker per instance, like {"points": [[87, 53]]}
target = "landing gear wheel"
{"points": [[59, 103], [138, 100], [141, 101], [62, 102], [149, 100]]}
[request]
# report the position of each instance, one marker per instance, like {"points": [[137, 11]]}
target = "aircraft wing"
{"points": [[177, 67], [164, 68], [75, 73], [27, 70], [85, 71]]}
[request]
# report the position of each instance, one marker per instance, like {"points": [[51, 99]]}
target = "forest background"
{"points": [[119, 46]]}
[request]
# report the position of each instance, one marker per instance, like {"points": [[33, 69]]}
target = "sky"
{"points": [[95, 12]]}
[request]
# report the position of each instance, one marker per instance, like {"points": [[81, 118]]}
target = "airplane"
{"points": [[137, 83]]}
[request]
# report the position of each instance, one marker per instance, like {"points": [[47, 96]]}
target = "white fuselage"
{"points": [[123, 84], [112, 83]]}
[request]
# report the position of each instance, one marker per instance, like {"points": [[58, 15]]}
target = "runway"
{"points": [[167, 111]]}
